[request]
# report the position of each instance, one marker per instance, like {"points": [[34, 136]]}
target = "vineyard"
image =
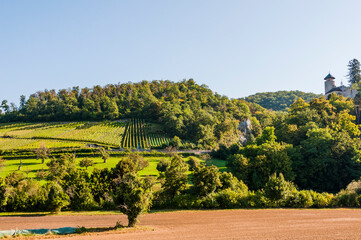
{"points": [[139, 134], [130, 134], [61, 135]]}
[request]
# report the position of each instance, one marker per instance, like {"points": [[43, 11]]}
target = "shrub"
{"points": [[25, 196], [322, 200], [193, 163], [209, 201], [348, 199], [228, 198], [354, 187], [185, 201], [256, 199], [163, 165], [303, 199]]}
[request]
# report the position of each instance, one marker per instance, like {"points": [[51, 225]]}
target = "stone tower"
{"points": [[329, 83]]}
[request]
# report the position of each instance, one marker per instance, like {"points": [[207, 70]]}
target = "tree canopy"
{"points": [[280, 100]]}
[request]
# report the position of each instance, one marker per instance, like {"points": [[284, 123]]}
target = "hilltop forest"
{"points": [[280, 100]]}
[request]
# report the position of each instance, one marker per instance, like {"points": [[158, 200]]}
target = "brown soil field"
{"points": [[217, 224]]}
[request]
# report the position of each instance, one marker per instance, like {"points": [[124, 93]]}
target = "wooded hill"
{"points": [[185, 109], [280, 100]]}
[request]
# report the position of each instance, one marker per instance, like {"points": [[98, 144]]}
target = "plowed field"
{"points": [[220, 224]]}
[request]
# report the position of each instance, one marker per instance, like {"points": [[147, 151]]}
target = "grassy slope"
{"points": [[80, 134], [71, 134]]}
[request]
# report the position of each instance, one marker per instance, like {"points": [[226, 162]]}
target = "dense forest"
{"points": [[186, 110], [280, 100], [316, 145]]}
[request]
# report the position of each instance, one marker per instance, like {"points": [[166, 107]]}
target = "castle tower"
{"points": [[329, 83]]}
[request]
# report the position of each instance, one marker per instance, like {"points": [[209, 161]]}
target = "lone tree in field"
{"points": [[42, 153], [138, 160], [86, 162], [60, 166], [136, 194], [20, 165], [104, 155], [354, 73]]}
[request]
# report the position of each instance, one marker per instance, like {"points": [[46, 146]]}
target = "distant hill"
{"points": [[281, 100]]}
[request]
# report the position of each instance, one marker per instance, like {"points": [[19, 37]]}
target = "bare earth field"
{"points": [[218, 224]]}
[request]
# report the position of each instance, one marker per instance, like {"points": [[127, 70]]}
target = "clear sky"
{"points": [[237, 47]]}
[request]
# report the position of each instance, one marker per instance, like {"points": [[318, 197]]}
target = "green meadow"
{"points": [[31, 166]]}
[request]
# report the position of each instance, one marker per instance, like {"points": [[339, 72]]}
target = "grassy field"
{"points": [[31, 166]]}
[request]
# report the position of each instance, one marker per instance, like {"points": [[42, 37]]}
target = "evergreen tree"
{"points": [[354, 74]]}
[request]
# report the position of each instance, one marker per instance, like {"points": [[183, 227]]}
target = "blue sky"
{"points": [[237, 47]]}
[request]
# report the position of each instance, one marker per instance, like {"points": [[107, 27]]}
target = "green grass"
{"points": [[221, 164], [33, 165]]}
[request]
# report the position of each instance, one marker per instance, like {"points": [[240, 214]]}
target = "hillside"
{"points": [[280, 100], [129, 134], [185, 109]]}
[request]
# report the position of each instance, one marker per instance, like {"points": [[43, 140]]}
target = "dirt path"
{"points": [[220, 224]]}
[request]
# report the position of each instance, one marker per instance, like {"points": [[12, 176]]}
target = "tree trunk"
{"points": [[131, 221]]}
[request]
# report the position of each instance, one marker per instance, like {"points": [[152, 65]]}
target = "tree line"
{"points": [[67, 187]]}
